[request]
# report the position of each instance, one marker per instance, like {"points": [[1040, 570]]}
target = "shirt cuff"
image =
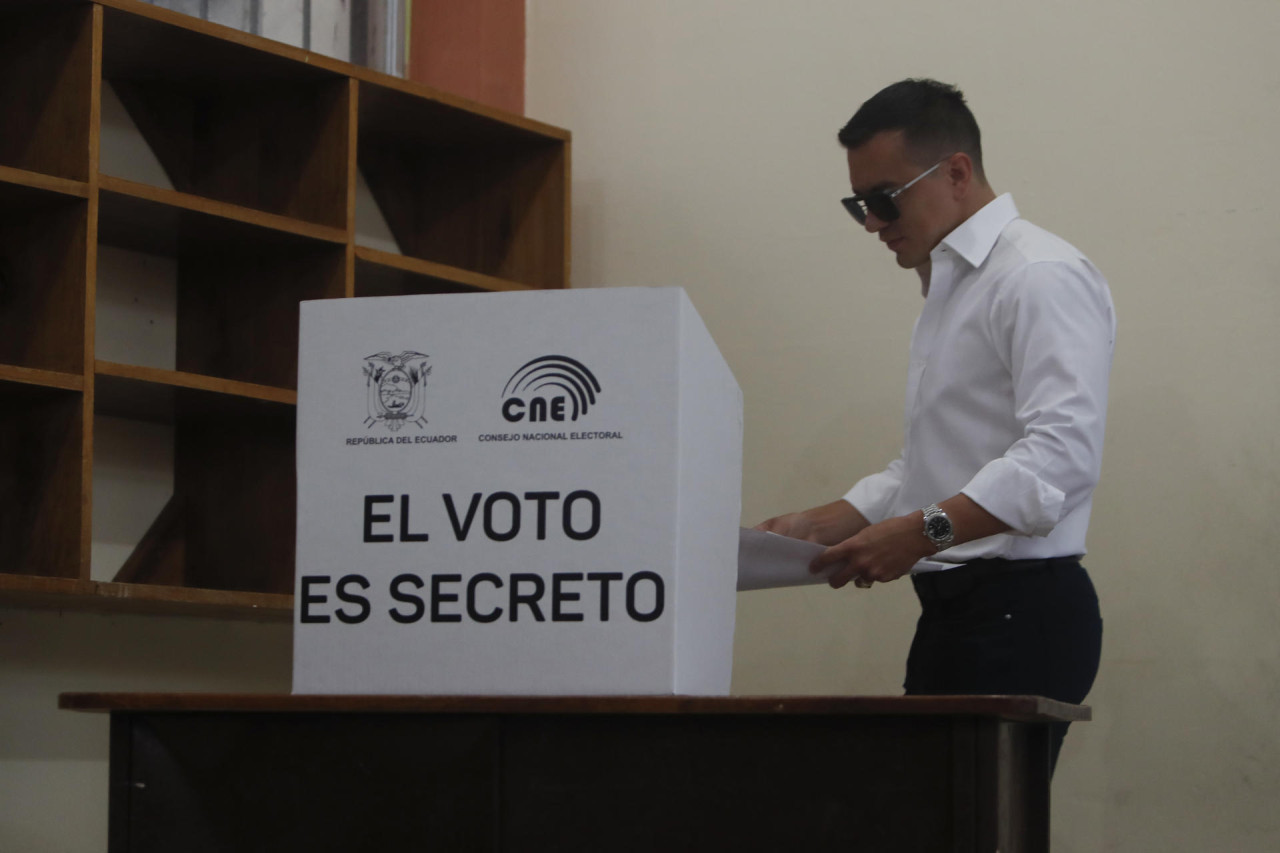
{"points": [[873, 496], [1017, 497]]}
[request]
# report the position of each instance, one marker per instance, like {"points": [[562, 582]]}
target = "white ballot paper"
{"points": [[769, 561]]}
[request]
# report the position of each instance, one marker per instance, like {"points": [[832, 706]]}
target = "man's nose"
{"points": [[874, 223]]}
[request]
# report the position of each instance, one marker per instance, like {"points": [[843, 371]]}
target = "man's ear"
{"points": [[960, 173]]}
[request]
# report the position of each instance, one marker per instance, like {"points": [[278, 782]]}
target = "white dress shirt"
{"points": [[1006, 390]]}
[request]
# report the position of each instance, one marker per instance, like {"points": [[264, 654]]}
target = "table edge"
{"points": [[1019, 708]]}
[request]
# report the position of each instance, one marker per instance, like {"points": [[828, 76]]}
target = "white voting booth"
{"points": [[515, 493]]}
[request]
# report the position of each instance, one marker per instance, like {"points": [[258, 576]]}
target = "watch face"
{"points": [[938, 527]]}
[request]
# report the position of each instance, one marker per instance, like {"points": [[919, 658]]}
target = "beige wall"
{"points": [[1143, 132]]}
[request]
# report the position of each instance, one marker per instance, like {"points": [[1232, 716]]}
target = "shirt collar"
{"points": [[974, 238]]}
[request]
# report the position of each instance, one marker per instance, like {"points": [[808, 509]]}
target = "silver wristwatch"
{"points": [[937, 527]]}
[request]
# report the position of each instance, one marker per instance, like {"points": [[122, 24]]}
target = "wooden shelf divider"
{"points": [[196, 382], [45, 378], [39, 181], [103, 597], [443, 273], [220, 209]]}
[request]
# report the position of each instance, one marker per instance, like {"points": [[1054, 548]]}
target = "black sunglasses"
{"points": [[881, 202]]}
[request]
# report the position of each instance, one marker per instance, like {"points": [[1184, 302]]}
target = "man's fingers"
{"points": [[843, 576], [831, 559], [834, 554], [784, 525]]}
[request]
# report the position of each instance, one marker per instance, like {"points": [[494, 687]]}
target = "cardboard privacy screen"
{"points": [[515, 493]]}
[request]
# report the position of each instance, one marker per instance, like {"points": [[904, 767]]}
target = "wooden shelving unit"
{"points": [[262, 144]]}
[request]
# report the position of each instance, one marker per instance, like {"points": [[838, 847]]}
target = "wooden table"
{"points": [[197, 772]]}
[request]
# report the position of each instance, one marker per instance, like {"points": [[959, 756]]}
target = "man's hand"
{"points": [[886, 551], [825, 525], [881, 552]]}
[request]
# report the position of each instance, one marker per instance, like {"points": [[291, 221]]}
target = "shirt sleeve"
{"points": [[1058, 323], [874, 496]]}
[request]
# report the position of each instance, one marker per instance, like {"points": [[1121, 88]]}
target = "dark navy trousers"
{"points": [[1007, 627]]}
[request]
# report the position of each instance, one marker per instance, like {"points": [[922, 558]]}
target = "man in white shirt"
{"points": [[988, 505]]}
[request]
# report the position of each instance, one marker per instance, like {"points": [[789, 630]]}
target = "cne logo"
{"points": [[533, 392], [395, 389]]}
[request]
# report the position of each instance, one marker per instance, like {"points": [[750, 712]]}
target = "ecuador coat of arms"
{"points": [[396, 387]]}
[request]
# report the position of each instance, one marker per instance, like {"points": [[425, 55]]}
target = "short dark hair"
{"points": [[933, 117]]}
